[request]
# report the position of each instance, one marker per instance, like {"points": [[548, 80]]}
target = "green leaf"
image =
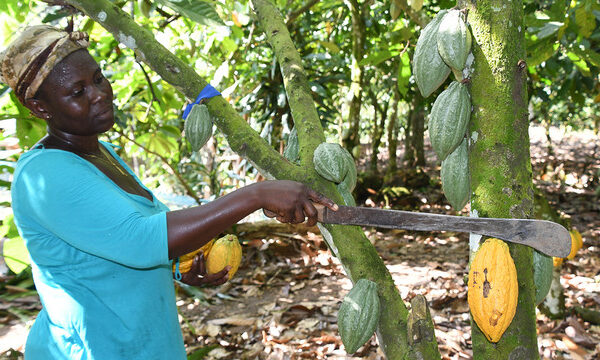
{"points": [[549, 29], [580, 63], [202, 352], [540, 51], [15, 255], [378, 57], [159, 143], [330, 46], [404, 72], [202, 12], [590, 56], [29, 128], [586, 21]]}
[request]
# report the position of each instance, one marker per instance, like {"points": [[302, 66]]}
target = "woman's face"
{"points": [[76, 98]]}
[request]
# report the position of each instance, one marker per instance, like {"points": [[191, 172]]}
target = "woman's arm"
{"points": [[288, 201]]}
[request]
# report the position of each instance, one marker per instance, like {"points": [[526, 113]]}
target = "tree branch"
{"points": [[304, 113]]}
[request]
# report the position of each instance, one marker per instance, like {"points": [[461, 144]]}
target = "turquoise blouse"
{"points": [[99, 260]]}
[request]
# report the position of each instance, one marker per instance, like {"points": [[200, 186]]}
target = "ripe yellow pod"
{"points": [[493, 288], [576, 243], [186, 261], [225, 251]]}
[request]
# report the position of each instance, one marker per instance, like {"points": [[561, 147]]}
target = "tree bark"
{"points": [[500, 165], [414, 146]]}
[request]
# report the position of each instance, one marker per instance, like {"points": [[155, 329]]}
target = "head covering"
{"points": [[28, 60]]}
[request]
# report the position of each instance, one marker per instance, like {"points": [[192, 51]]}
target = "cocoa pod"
{"points": [[454, 40], [455, 177], [198, 126], [449, 119], [429, 68]]}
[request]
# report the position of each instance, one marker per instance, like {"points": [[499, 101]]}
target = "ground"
{"points": [[283, 302]]}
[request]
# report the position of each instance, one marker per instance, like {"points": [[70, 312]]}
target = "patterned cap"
{"points": [[28, 60]]}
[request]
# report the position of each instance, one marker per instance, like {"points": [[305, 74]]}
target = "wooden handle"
{"points": [[321, 210]]}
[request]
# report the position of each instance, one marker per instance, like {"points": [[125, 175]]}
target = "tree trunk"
{"points": [[349, 243], [357, 75], [392, 132], [414, 146], [500, 165], [378, 128]]}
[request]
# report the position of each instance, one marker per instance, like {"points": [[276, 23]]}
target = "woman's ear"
{"points": [[38, 108]]}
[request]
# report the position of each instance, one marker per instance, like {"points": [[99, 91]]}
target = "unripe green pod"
{"points": [[330, 162], [449, 119], [351, 176], [429, 68], [358, 315], [454, 40], [198, 126], [455, 176]]}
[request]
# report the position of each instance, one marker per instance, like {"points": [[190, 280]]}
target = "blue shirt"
{"points": [[99, 260]]}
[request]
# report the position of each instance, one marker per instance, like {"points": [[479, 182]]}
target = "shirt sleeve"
{"points": [[75, 202]]}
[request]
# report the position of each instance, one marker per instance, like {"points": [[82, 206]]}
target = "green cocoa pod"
{"points": [[449, 119], [358, 315], [428, 66], [454, 40], [346, 194], [350, 179], [198, 126], [330, 162], [542, 275], [291, 151], [455, 176]]}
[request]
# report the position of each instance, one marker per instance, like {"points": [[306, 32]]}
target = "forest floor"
{"points": [[283, 302]]}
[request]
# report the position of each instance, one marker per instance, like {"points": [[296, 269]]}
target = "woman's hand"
{"points": [[291, 201], [197, 275]]}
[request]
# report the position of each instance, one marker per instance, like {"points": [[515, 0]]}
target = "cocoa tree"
{"points": [[499, 159]]}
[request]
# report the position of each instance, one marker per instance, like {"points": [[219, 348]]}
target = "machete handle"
{"points": [[321, 210]]}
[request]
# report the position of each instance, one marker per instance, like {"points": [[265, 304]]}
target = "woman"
{"points": [[100, 242]]}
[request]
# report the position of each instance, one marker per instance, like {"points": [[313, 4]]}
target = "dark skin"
{"points": [[75, 100]]}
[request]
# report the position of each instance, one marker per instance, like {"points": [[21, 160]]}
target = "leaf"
{"points": [[580, 63], [586, 21], [202, 352], [540, 51], [550, 28], [202, 12], [404, 73], [330, 46], [15, 254], [159, 142], [378, 57], [395, 10], [29, 128]]}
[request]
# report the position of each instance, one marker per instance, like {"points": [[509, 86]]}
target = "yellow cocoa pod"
{"points": [[225, 251], [576, 243], [557, 261], [186, 261], [493, 288]]}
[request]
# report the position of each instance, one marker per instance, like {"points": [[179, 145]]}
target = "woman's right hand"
{"points": [[291, 201]]}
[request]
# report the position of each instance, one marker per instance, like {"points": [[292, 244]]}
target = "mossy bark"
{"points": [[349, 243], [500, 165]]}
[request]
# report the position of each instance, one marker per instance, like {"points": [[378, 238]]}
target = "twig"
{"points": [[175, 172]]}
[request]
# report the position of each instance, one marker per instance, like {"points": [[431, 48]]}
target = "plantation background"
{"points": [[357, 56]]}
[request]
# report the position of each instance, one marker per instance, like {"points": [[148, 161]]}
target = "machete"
{"points": [[545, 236]]}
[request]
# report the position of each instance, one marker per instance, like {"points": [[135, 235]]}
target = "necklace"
{"points": [[106, 158]]}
